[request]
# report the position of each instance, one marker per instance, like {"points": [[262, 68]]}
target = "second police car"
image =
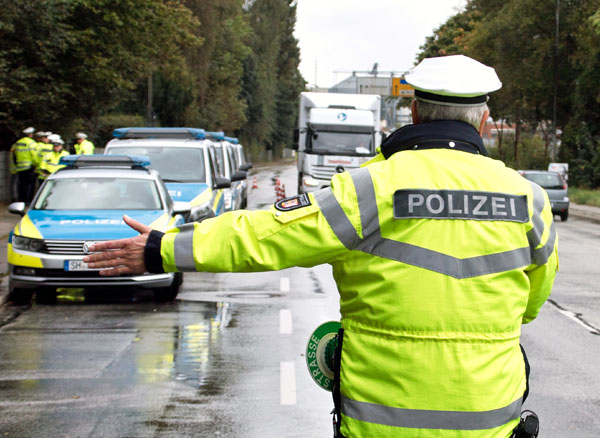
{"points": [[186, 161], [81, 204]]}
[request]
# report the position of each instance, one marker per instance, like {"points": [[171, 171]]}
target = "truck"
{"points": [[336, 132]]}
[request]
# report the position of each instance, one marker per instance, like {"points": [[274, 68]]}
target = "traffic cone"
{"points": [[282, 191], [254, 183]]}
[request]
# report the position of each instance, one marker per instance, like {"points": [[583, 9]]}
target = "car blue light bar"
{"points": [[150, 132], [232, 140], [218, 135], [99, 160]]}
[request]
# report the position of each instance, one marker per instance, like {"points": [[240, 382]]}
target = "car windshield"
{"points": [[99, 194], [546, 180], [342, 143], [174, 164]]}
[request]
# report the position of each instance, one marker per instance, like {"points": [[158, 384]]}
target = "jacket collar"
{"points": [[439, 134]]}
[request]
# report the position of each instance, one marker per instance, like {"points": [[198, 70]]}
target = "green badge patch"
{"points": [[319, 354], [293, 202]]}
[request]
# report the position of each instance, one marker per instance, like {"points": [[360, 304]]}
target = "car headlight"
{"points": [[27, 243], [200, 211], [227, 199], [309, 181]]}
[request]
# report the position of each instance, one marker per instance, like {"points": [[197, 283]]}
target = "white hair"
{"points": [[472, 115]]}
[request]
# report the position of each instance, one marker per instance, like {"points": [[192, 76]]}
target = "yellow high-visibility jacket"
{"points": [[50, 163], [24, 150], [41, 149], [86, 147], [439, 256]]}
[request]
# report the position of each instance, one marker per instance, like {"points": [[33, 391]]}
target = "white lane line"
{"points": [[284, 284], [576, 317], [285, 322], [287, 383]]}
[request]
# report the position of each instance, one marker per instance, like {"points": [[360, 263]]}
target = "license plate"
{"points": [[341, 161], [78, 265]]}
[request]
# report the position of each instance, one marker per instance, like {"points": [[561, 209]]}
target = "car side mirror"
{"points": [[238, 175], [180, 207], [246, 167], [221, 183], [17, 208], [296, 139]]}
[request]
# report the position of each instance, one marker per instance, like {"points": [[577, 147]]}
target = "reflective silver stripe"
{"points": [[443, 263], [367, 203], [184, 248], [425, 419], [535, 234], [540, 256], [336, 218]]}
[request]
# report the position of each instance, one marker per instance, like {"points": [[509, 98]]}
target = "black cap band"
{"points": [[474, 100]]}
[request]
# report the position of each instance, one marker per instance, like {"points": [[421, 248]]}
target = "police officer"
{"points": [[83, 145], [23, 152], [42, 147], [439, 252], [51, 159]]}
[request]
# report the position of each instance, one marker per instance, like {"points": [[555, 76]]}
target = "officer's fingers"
{"points": [[115, 271], [137, 226], [109, 244]]}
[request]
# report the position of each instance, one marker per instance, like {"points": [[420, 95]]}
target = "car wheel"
{"points": [[20, 297], [564, 216], [169, 293], [46, 295]]}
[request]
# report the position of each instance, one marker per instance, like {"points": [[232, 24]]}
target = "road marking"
{"points": [[284, 284], [285, 322], [575, 317], [287, 383]]}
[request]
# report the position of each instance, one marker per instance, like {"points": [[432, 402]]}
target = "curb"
{"points": [[587, 213]]}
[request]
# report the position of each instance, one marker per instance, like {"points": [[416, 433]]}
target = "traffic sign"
{"points": [[401, 88]]}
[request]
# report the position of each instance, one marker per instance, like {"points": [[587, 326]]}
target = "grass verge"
{"points": [[584, 196]]}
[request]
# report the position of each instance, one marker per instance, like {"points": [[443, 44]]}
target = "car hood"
{"points": [[88, 224], [188, 192]]}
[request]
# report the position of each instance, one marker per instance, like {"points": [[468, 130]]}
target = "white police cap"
{"points": [[81, 135], [55, 139], [455, 80], [28, 130]]}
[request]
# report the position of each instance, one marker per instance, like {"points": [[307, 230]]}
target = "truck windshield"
{"points": [[342, 143]]}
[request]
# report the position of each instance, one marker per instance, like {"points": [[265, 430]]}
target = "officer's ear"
{"points": [[413, 110], [486, 114]]}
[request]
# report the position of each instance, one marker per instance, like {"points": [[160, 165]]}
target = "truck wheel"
{"points": [[300, 184], [19, 296]]}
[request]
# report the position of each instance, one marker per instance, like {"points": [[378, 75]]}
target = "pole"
{"points": [[555, 82]]}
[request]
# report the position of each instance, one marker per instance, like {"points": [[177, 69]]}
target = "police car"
{"points": [[81, 204], [184, 160], [226, 159]]}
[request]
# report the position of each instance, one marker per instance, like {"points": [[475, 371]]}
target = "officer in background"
{"points": [[23, 153], [83, 145], [440, 254], [51, 159], [42, 147]]}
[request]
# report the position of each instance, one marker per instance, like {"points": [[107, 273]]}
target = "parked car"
{"points": [[243, 165], [183, 158], [556, 187], [81, 204]]}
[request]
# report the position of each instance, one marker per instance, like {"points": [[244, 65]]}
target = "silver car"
{"points": [[555, 186]]}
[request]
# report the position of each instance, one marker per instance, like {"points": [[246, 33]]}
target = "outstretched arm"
{"points": [[124, 256]]}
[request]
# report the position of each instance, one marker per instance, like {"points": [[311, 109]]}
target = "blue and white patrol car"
{"points": [[81, 204], [228, 167], [183, 159]]}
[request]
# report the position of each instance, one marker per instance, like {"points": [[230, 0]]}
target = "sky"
{"points": [[337, 37]]}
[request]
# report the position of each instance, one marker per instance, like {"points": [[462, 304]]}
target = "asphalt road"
{"points": [[227, 358]]}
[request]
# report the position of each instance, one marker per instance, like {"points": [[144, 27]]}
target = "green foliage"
{"points": [[531, 155], [584, 196]]}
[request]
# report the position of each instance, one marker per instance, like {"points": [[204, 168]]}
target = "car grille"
{"points": [[57, 273], [63, 247]]}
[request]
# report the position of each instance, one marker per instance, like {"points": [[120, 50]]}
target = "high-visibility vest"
{"points": [[86, 147], [41, 149], [50, 162], [439, 256], [24, 149]]}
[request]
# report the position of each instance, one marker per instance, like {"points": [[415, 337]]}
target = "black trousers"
{"points": [[26, 185]]}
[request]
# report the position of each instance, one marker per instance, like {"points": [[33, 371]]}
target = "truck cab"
{"points": [[336, 132]]}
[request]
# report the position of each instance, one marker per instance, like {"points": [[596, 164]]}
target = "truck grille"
{"points": [[323, 172]]}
